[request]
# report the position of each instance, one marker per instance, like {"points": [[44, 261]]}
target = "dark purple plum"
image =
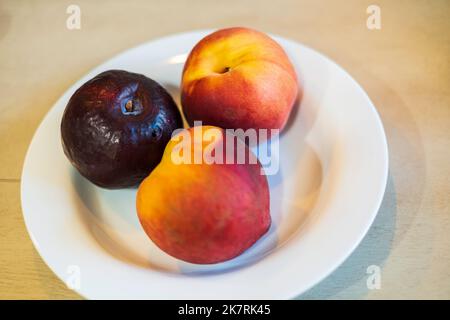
{"points": [[116, 126]]}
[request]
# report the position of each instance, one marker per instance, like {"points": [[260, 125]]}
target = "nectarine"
{"points": [[238, 78], [208, 212]]}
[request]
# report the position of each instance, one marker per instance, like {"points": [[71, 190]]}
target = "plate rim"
{"points": [[196, 32]]}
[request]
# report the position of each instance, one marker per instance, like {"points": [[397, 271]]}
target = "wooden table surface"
{"points": [[404, 67]]}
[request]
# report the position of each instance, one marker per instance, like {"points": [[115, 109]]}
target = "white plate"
{"points": [[333, 172]]}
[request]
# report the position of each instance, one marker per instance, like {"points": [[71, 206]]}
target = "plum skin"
{"points": [[115, 128]]}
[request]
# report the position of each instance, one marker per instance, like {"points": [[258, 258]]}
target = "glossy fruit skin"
{"points": [[238, 78], [204, 213], [115, 128]]}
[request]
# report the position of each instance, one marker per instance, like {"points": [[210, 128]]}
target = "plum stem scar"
{"points": [[129, 106]]}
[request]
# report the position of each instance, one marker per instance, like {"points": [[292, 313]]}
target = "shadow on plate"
{"points": [[406, 180], [97, 219]]}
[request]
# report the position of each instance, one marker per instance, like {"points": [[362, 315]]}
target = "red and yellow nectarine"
{"points": [[238, 78], [204, 213]]}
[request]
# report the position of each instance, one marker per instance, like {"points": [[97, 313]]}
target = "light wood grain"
{"points": [[23, 273], [404, 67]]}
